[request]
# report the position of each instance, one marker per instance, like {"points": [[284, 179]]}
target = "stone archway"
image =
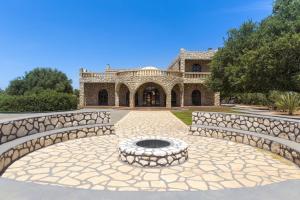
{"points": [[176, 95], [124, 94], [150, 94]]}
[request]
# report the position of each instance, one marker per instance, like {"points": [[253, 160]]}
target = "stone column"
{"points": [[182, 96], [81, 95], [131, 99], [168, 99], [117, 100], [217, 99]]}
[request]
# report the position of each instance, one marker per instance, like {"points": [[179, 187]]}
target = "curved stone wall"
{"points": [[17, 151], [10, 130], [288, 129], [255, 141]]}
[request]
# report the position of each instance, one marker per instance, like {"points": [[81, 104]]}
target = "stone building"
{"points": [[182, 84]]}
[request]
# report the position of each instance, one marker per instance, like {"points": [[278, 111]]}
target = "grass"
{"points": [[186, 115]]}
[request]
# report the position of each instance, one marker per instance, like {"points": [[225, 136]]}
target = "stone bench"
{"points": [[20, 127], [13, 150], [25, 135], [242, 129]]}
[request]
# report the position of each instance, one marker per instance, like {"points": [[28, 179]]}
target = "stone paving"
{"points": [[92, 163]]}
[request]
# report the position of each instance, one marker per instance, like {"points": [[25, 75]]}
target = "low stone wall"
{"points": [[278, 127], [173, 154], [251, 140], [16, 152], [10, 130]]}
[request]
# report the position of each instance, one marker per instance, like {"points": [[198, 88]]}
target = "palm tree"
{"points": [[288, 101]]}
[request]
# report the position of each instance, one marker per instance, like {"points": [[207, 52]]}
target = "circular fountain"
{"points": [[153, 151]]}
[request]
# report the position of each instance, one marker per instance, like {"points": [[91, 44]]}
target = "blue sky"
{"points": [[69, 34]]}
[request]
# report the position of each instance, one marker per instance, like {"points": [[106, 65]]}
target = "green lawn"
{"points": [[186, 115]]}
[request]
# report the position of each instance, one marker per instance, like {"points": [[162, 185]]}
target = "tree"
{"points": [[40, 79], [261, 57]]}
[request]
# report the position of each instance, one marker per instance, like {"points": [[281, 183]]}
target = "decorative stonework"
{"points": [[288, 129], [16, 152], [175, 153], [10, 130], [251, 140]]}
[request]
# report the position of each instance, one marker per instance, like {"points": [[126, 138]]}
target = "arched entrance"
{"points": [[150, 95], [103, 97], [176, 95], [123, 93], [196, 98], [173, 98]]}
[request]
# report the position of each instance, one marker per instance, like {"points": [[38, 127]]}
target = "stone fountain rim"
{"points": [[129, 146]]}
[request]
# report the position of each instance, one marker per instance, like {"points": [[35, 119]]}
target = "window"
{"points": [[103, 98], [196, 68], [196, 98]]}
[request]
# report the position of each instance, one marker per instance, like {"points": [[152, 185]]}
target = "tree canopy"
{"points": [[259, 57], [40, 79]]}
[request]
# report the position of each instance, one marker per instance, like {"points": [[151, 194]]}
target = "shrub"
{"points": [[41, 102], [252, 99], [289, 101]]}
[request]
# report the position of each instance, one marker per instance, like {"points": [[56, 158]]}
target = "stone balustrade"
{"points": [[137, 73], [10, 130], [197, 75], [97, 77]]}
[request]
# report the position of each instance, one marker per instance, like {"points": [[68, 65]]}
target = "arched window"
{"points": [[196, 68], [196, 98], [103, 97]]}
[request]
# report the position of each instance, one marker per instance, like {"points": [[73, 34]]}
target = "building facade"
{"points": [[182, 84]]}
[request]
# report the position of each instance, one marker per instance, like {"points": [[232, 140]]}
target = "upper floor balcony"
{"points": [[111, 77], [97, 77], [149, 72], [196, 77]]}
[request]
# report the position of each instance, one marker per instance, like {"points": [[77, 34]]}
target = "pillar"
{"points": [[168, 99], [81, 95], [131, 99], [217, 99], [182, 96], [117, 100]]}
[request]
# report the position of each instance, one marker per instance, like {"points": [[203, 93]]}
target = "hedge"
{"points": [[42, 102]]}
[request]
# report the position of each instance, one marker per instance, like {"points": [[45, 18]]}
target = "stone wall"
{"points": [[16, 152], [10, 130], [278, 127], [91, 93], [207, 96], [262, 143]]}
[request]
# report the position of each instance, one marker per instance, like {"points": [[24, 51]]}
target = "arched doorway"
{"points": [[150, 95], [173, 98], [176, 95], [196, 98], [123, 93], [103, 98]]}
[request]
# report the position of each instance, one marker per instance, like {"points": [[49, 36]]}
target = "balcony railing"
{"points": [[109, 77], [149, 73], [197, 75]]}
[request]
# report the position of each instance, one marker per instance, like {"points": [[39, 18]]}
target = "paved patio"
{"points": [[92, 163]]}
